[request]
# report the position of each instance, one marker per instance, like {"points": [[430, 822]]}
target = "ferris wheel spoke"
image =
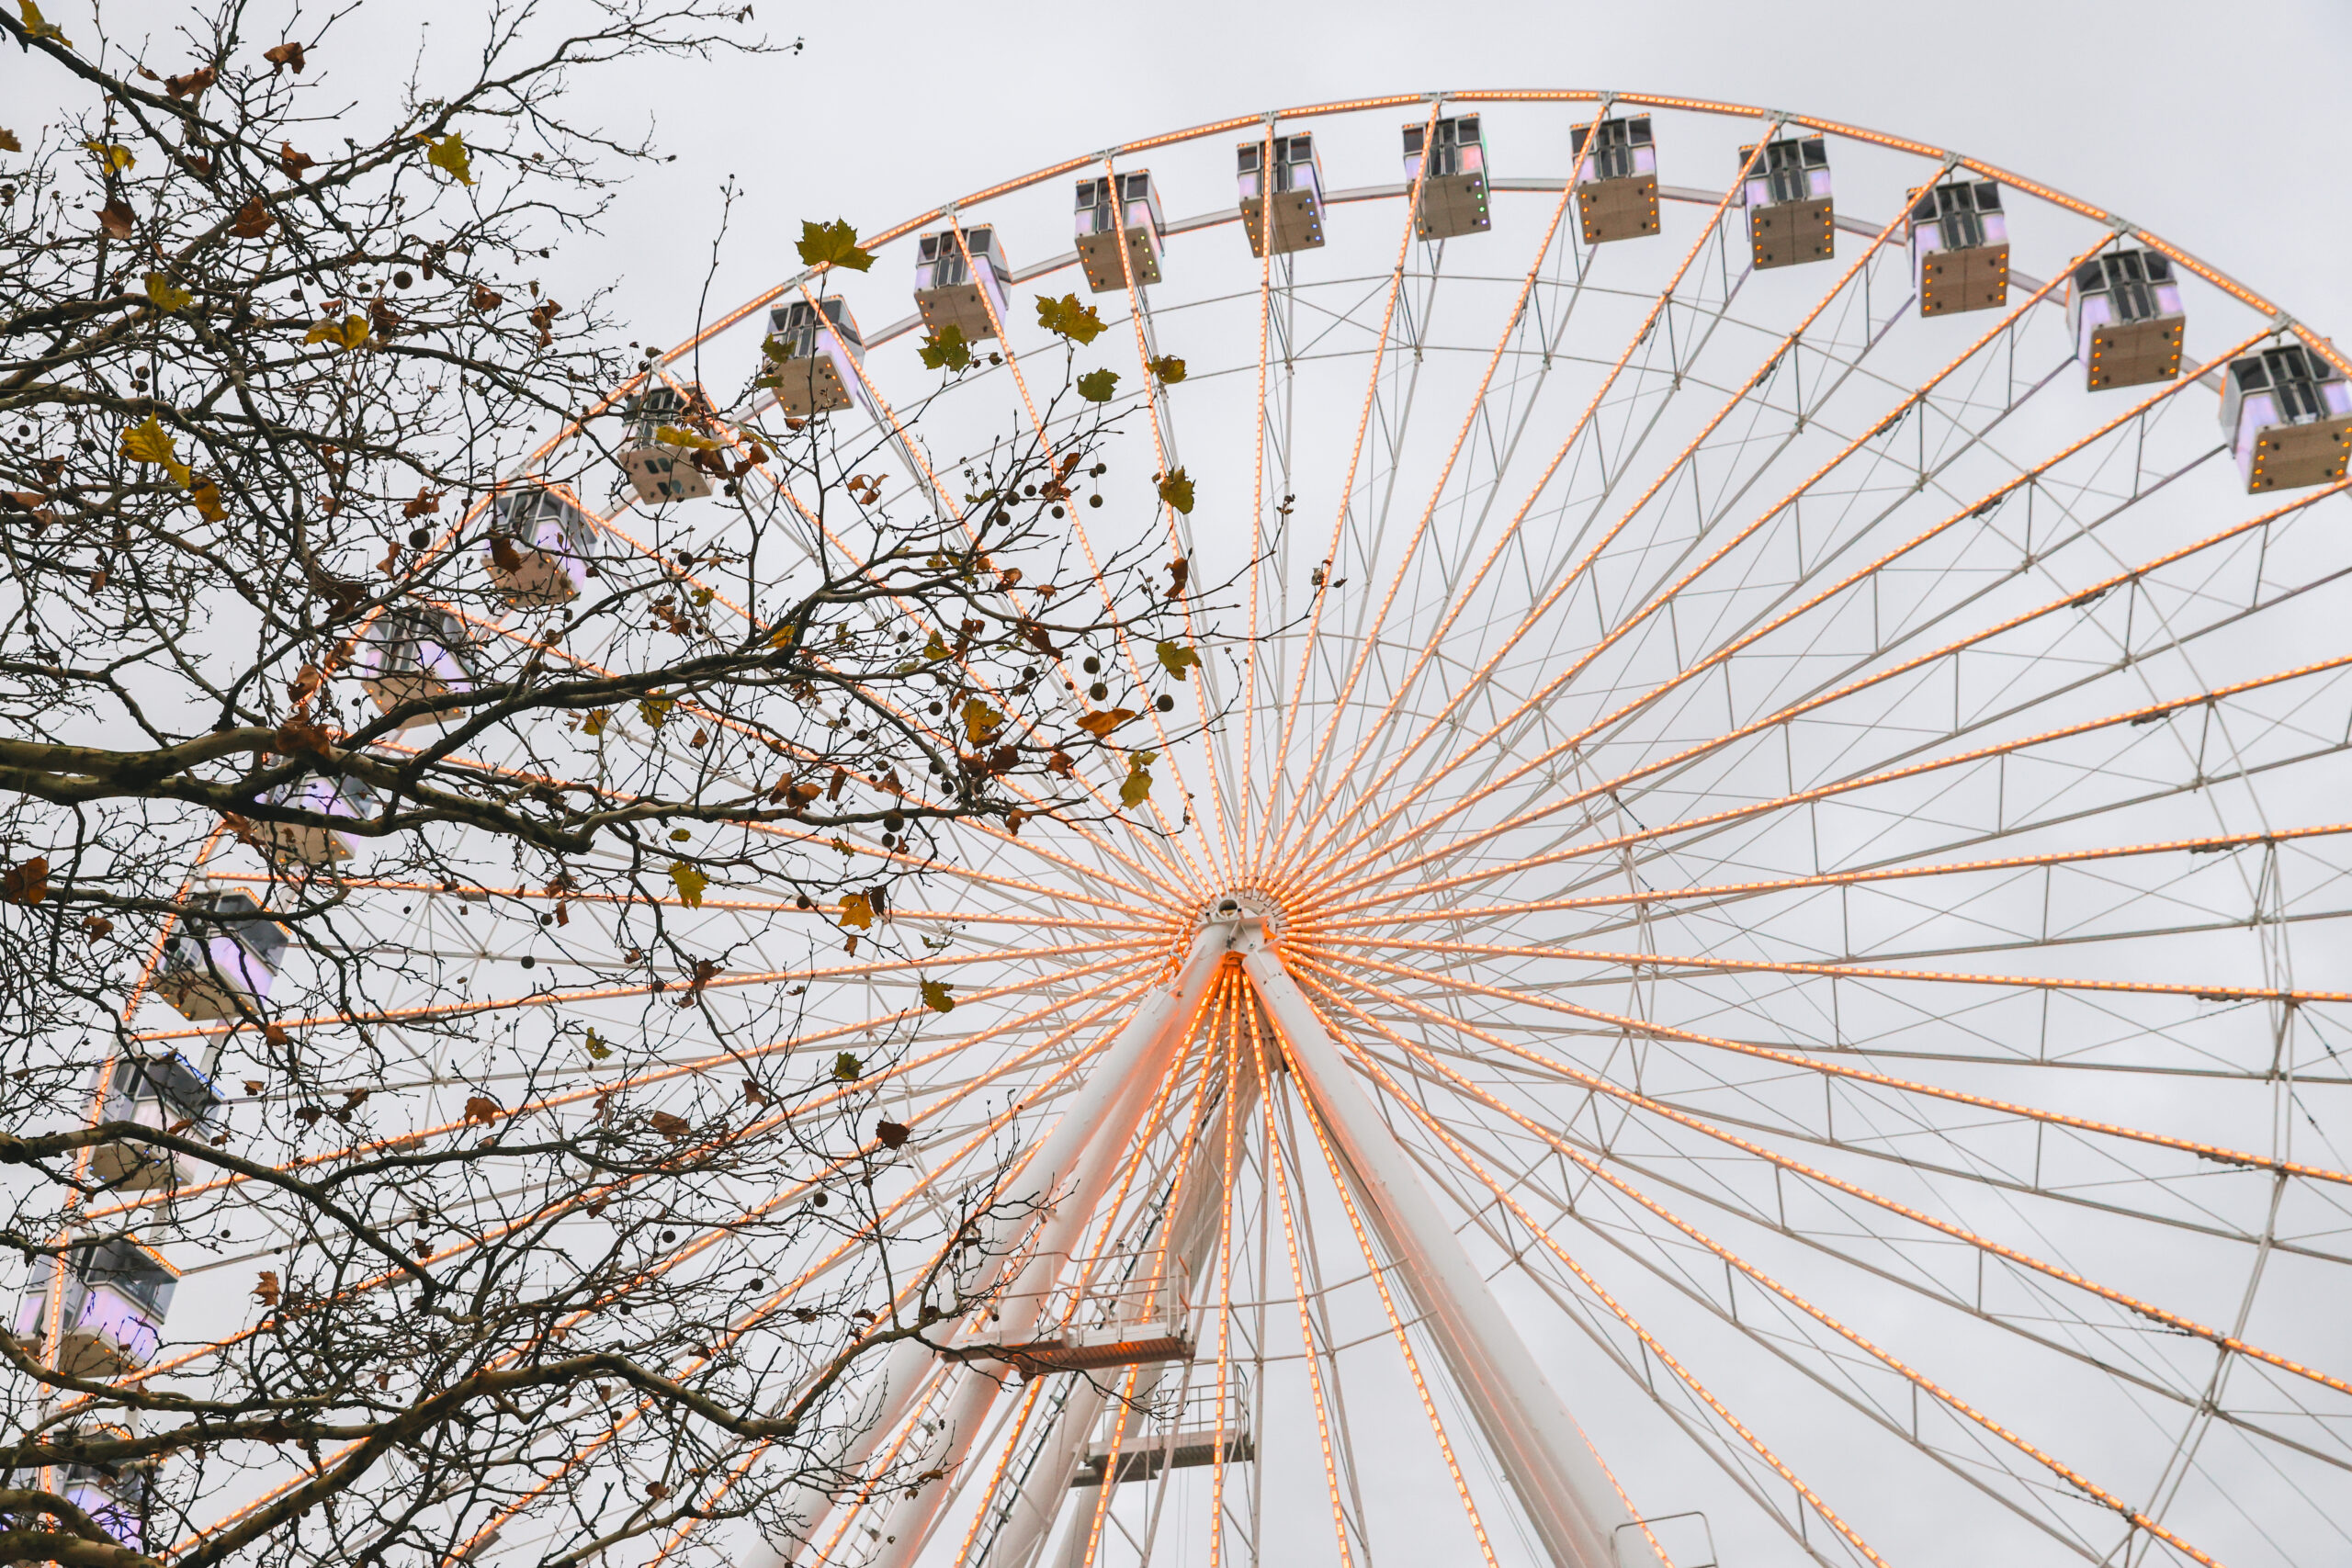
{"points": [[1120, 975], [2126, 1334], [547, 999], [1723, 964], [1315, 795], [1204, 690], [1397, 1329], [1468, 916], [2080, 1174], [1245, 783], [1586, 422], [1456, 602], [1502, 1193], [1797, 1059], [1102, 844], [1026, 919], [1313, 1354], [1611, 635], [1172, 835], [894, 858], [1597, 1169], [947, 1102], [1845, 682], [1743, 394], [1975, 767], [917, 1281], [324, 1476], [943, 500], [1257, 851]]}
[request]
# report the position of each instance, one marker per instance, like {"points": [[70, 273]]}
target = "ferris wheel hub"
{"points": [[1244, 906]]}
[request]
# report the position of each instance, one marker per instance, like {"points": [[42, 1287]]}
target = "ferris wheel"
{"points": [[1737, 956]]}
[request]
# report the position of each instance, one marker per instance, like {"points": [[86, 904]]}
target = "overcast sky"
{"points": [[2210, 123]]}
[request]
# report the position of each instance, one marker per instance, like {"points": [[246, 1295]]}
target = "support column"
{"points": [[1562, 1488], [1066, 1178]]}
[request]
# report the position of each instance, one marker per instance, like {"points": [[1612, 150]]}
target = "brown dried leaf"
{"points": [[284, 55], [266, 1291], [26, 884], [115, 218], [482, 1110], [671, 1125], [890, 1134], [253, 220], [1100, 724]]}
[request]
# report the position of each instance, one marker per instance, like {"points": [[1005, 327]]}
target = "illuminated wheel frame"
{"points": [[1733, 876]]}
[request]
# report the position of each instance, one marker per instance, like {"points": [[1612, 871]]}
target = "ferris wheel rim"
{"points": [[1143, 920]]}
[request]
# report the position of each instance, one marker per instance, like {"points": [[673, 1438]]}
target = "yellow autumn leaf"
{"points": [[690, 882], [671, 435], [165, 295], [207, 496], [342, 336], [656, 709], [448, 155], [679, 835], [1135, 788], [935, 650], [981, 722], [833, 244], [594, 722], [782, 636], [857, 912], [1098, 386], [112, 157], [36, 27], [148, 441], [1100, 724], [597, 1047], [935, 996], [945, 349], [1175, 657], [1169, 368], [1068, 318], [1176, 489]]}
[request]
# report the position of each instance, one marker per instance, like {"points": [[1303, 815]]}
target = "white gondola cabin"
{"points": [[1616, 180], [110, 1317], [117, 1497], [970, 295], [1791, 218], [313, 844], [540, 547], [1454, 199], [416, 656], [2286, 414], [1102, 222], [222, 959], [662, 471], [1959, 247], [813, 354], [2124, 310], [1296, 193], [164, 1093]]}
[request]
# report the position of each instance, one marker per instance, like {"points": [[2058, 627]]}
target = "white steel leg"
{"points": [[1099, 1126], [1065, 1177], [1565, 1495]]}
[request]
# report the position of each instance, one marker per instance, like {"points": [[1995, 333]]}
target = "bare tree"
{"points": [[314, 550]]}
